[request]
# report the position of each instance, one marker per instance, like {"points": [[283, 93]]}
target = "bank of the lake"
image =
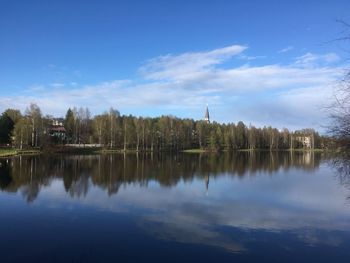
{"points": [[257, 150], [285, 150], [8, 152], [13, 152]]}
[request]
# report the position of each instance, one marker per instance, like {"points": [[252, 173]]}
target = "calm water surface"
{"points": [[261, 207]]}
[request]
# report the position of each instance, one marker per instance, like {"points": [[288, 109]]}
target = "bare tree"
{"points": [[340, 107], [34, 114], [340, 112]]}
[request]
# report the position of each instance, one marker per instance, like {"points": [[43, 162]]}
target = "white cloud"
{"points": [[286, 49], [331, 57], [272, 94], [185, 214], [249, 58], [294, 109], [187, 65], [57, 85], [310, 59]]}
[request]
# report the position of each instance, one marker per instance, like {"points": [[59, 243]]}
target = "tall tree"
{"points": [[22, 132], [241, 135], [15, 115], [6, 128], [113, 126], [69, 124], [33, 113], [100, 127], [85, 128]]}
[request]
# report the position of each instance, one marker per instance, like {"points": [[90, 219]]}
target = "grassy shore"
{"points": [[283, 150], [255, 150], [197, 151], [7, 152], [14, 152], [87, 150], [106, 151], [310, 150], [72, 150]]}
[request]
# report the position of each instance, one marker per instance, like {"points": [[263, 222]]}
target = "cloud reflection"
{"points": [[280, 193]]}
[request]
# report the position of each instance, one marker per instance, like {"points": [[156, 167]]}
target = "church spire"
{"points": [[206, 116]]}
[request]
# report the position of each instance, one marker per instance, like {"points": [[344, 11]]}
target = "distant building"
{"points": [[306, 141], [206, 116], [57, 122], [57, 129]]}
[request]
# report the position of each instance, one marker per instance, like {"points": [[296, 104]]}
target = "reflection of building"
{"points": [[307, 158], [206, 116], [207, 184]]}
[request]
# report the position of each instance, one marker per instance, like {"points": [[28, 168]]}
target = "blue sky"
{"points": [[263, 62]]}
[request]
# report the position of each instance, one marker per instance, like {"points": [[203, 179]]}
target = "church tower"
{"points": [[206, 116]]}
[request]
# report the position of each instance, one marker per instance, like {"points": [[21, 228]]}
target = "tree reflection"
{"points": [[5, 177], [341, 163], [28, 174]]}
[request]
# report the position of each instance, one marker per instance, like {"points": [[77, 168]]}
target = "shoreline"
{"points": [[4, 153]]}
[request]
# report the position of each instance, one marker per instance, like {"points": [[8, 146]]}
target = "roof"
{"points": [[57, 129]]}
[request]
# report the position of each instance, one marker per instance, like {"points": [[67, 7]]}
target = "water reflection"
{"points": [[246, 203], [29, 174], [341, 163]]}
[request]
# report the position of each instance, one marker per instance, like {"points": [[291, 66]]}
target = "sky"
{"points": [[263, 62]]}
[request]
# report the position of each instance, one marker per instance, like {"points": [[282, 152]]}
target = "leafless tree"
{"points": [[340, 107]]}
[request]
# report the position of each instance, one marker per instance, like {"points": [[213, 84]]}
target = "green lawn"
{"points": [[13, 152], [195, 151], [7, 152]]}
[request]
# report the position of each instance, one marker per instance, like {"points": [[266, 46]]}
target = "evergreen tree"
{"points": [[6, 128], [69, 125]]}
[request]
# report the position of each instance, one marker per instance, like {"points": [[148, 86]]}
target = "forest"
{"points": [[111, 130]]}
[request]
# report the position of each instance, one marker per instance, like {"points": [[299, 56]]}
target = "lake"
{"points": [[230, 207]]}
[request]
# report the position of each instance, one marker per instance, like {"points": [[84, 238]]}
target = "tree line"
{"points": [[126, 132]]}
